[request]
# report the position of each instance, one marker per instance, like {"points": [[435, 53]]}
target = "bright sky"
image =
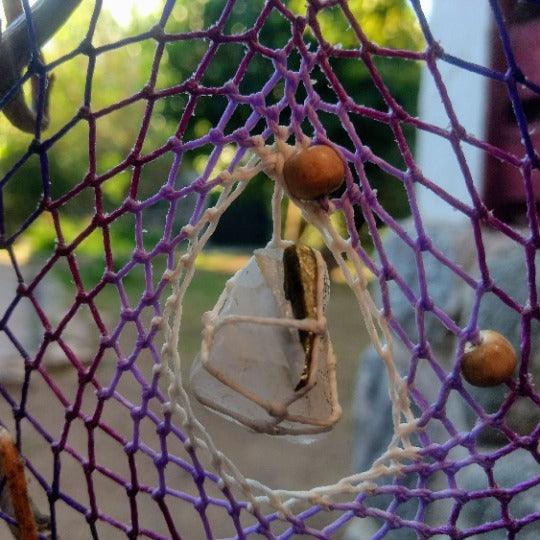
{"points": [[123, 10], [426, 6]]}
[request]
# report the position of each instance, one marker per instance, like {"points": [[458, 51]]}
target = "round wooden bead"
{"points": [[313, 172], [489, 363]]}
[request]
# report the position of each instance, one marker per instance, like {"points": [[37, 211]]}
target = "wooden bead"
{"points": [[489, 363], [313, 172]]}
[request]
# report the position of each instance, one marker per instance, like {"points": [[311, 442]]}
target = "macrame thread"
{"points": [[411, 452]]}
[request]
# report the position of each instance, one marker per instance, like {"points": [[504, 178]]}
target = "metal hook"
{"points": [[16, 51]]}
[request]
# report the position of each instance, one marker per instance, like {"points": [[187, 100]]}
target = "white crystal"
{"points": [[248, 371]]}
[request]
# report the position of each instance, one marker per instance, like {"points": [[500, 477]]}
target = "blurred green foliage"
{"points": [[121, 72]]}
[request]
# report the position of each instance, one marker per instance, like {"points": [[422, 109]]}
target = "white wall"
{"points": [[462, 29]]}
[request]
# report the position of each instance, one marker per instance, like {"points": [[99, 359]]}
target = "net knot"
{"points": [[168, 192], [243, 137], [56, 448], [157, 32], [106, 341], [192, 86], [147, 92], [84, 377], [175, 144], [36, 147], [91, 423], [91, 516], [84, 112], [215, 136], [200, 504], [458, 132], [131, 204], [502, 495], [18, 413], [387, 273], [397, 112], [88, 467], [158, 494], [50, 336], [140, 256], [277, 410], [86, 47], [514, 72], [423, 243], [425, 304], [163, 428], [82, 297], [129, 314], [62, 250], [160, 461], [433, 51], [137, 413], [104, 393], [70, 414], [22, 289]]}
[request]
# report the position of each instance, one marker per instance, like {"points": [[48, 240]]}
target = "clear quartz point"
{"points": [[249, 370]]}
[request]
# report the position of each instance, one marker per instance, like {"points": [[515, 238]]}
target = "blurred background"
{"points": [[119, 73]]}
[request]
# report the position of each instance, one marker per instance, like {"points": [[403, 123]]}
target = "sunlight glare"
{"points": [[123, 11], [427, 6]]}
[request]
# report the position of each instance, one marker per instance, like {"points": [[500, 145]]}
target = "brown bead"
{"points": [[313, 172], [489, 363]]}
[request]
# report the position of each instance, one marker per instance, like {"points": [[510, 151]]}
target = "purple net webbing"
{"points": [[129, 345]]}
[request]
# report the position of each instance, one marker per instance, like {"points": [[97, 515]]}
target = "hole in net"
{"points": [[514, 468], [439, 165], [115, 190], [121, 238], [116, 133], [23, 330], [180, 60], [134, 286], [68, 157], [276, 31], [132, 59], [336, 28], [259, 70], [523, 502], [113, 501], [276, 95], [151, 516], [238, 120], [242, 17], [401, 78], [247, 221], [73, 519], [69, 36], [523, 416], [167, 110], [481, 511], [459, 413], [22, 193], [438, 512], [354, 78], [471, 477], [223, 65], [51, 418]]}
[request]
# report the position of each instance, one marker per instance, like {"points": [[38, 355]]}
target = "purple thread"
{"points": [[359, 194]]}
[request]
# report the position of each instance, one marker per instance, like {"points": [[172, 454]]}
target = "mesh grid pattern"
{"points": [[155, 434]]}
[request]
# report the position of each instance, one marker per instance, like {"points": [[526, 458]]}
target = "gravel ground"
{"points": [[274, 461]]}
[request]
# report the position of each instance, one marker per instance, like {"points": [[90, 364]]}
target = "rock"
{"points": [[372, 407]]}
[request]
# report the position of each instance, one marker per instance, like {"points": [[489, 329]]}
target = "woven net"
{"points": [[164, 461]]}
